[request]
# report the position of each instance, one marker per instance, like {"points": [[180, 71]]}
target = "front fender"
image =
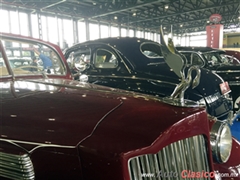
{"points": [[231, 169]]}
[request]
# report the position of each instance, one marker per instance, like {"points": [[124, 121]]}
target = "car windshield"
{"points": [[214, 57], [29, 58]]}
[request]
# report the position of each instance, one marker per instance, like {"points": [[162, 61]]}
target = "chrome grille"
{"points": [[188, 154], [17, 167]]}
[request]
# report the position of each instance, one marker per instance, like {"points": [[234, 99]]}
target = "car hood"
{"points": [[39, 113], [52, 111], [204, 89]]}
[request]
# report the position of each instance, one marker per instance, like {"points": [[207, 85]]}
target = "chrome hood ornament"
{"points": [[177, 62]]}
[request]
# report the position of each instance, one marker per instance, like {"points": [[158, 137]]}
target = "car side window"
{"points": [[151, 50], [29, 58], [196, 60], [105, 59]]}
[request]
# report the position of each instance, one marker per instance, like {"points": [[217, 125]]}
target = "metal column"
{"points": [[75, 31], [58, 34], [87, 29], [29, 25], [39, 26]]}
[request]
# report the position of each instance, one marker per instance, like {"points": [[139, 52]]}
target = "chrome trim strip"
{"points": [[228, 71], [133, 77], [38, 145], [231, 83]]}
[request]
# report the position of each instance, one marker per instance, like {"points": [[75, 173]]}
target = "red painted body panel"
{"points": [[74, 130], [233, 53], [232, 166]]}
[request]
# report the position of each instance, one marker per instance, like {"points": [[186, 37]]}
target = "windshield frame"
{"points": [[66, 74]]}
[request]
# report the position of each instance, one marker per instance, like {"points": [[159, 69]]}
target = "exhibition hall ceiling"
{"points": [[177, 16]]}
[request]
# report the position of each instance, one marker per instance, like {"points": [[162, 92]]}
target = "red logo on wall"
{"points": [[215, 18]]}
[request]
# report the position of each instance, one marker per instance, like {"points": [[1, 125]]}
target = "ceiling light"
{"points": [[134, 14], [239, 17], [208, 21], [181, 25], [166, 7], [164, 27], [115, 17]]}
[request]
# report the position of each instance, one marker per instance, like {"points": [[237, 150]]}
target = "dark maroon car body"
{"points": [[55, 128], [235, 54]]}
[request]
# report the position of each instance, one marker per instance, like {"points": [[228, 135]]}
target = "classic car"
{"points": [[230, 59], [138, 65], [233, 54], [53, 127], [211, 59]]}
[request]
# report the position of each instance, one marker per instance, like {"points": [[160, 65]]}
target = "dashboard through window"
{"points": [[105, 59]]}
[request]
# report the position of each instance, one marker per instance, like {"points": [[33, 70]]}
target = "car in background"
{"points": [[233, 54], [138, 65], [53, 127], [211, 59], [230, 59]]}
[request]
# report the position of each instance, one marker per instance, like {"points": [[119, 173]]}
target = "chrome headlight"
{"points": [[221, 141]]}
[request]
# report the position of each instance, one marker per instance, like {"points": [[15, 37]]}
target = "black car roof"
{"points": [[117, 41], [197, 48]]}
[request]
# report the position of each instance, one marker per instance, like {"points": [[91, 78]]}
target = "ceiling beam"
{"points": [[180, 13], [127, 9]]}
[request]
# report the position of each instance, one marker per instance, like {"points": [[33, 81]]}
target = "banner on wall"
{"points": [[215, 35], [215, 32]]}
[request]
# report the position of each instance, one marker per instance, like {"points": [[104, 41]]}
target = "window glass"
{"points": [[213, 58], [52, 30], [44, 28], [123, 32], [27, 58], [14, 22], [104, 31], [131, 33], [24, 24], [114, 31], [151, 50], [35, 29], [196, 60], [94, 31], [139, 34], [4, 21], [188, 57], [60, 30], [105, 59], [3, 69], [82, 31], [67, 33]]}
